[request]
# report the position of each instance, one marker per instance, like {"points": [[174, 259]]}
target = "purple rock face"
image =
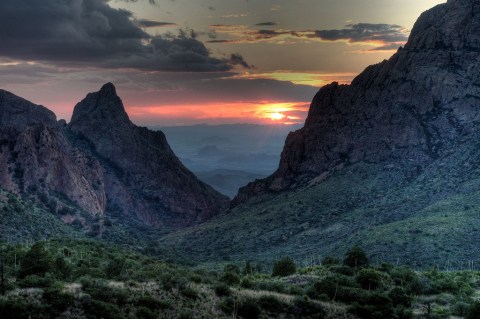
{"points": [[409, 110], [142, 174], [100, 163]]}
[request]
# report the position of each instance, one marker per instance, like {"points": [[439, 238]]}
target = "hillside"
{"points": [[388, 162]]}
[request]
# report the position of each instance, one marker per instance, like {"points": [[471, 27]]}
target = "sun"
{"points": [[277, 116]]}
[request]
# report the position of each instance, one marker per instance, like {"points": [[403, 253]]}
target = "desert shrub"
{"points": [[304, 307], [356, 258], [474, 311], [406, 278], [400, 297], [57, 301], [343, 270], [35, 281], [246, 283], [99, 309], [369, 278], [37, 261], [461, 309], [145, 313], [189, 293], [231, 268], [284, 267], [222, 290], [14, 309], [230, 278], [227, 305], [275, 286], [271, 303], [249, 309], [148, 302], [374, 306], [329, 261]]}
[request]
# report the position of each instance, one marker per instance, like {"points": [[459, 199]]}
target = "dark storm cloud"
{"points": [[381, 34], [266, 24], [90, 32], [363, 32], [152, 24]]}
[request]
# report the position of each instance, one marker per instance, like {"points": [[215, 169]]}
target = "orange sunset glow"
{"points": [[261, 113]]}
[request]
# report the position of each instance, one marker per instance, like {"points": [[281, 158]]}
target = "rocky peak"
{"points": [[103, 107], [18, 113], [407, 111], [143, 174], [454, 25]]}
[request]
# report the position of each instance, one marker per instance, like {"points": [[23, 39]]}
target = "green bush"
{"points": [[99, 309], [222, 290], [37, 261], [400, 297], [329, 261], [284, 267], [146, 313], [356, 258], [230, 278], [35, 281], [474, 311], [303, 307], [271, 303], [249, 309], [369, 278]]}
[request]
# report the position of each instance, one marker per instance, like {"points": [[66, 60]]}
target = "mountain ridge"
{"points": [[98, 167], [410, 109]]}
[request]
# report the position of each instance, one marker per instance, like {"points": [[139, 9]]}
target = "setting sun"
{"points": [[277, 116]]}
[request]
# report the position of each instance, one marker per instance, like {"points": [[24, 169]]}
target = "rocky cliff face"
{"points": [[142, 174], [99, 165], [406, 112], [37, 161]]}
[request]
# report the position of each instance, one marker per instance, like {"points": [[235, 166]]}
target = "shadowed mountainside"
{"points": [[389, 162]]}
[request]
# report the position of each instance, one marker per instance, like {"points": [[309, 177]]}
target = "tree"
{"points": [[284, 267], [474, 311], [369, 278], [37, 261], [356, 258]]}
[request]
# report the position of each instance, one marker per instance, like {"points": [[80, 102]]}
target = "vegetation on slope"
{"points": [[426, 220], [86, 279]]}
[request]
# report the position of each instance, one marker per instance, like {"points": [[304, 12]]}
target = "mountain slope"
{"points": [[411, 109], [142, 174], [389, 162], [98, 170]]}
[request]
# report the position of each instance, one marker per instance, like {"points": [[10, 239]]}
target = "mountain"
{"points": [[142, 174], [410, 110], [98, 168], [389, 162]]}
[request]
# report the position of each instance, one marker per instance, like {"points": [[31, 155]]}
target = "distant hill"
{"points": [[253, 150]]}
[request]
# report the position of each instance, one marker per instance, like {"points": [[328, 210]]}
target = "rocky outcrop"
{"points": [[407, 111], [142, 174], [37, 161], [100, 164]]}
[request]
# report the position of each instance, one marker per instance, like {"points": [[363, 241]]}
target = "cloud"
{"points": [[90, 32], [143, 23], [266, 24], [365, 32], [383, 36]]}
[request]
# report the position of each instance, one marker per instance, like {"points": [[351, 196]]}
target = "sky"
{"points": [[183, 62]]}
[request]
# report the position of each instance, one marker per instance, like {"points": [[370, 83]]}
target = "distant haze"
{"points": [[229, 156]]}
